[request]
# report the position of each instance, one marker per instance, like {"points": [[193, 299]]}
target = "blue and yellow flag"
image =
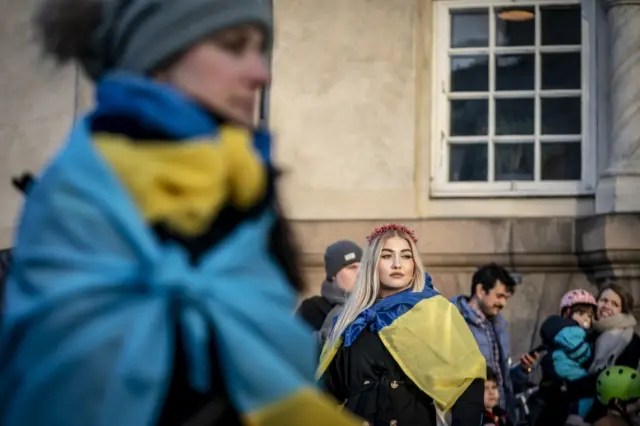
{"points": [[427, 337], [88, 334]]}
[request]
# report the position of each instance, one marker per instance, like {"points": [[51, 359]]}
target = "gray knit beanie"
{"points": [[140, 35], [340, 254]]}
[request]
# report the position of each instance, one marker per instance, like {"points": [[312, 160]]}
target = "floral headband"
{"points": [[391, 227]]}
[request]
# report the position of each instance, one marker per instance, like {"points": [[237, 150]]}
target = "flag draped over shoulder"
{"points": [[87, 335], [427, 337]]}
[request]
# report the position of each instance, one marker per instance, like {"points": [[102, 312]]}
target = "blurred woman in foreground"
{"points": [[154, 276]]}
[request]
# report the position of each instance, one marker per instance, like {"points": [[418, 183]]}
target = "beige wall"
{"points": [[343, 105]]}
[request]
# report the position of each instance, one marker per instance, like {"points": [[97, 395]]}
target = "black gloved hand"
{"points": [[23, 182]]}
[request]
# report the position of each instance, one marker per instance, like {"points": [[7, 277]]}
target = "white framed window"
{"points": [[512, 99]]}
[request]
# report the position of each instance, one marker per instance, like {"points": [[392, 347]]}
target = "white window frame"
{"points": [[440, 186]]}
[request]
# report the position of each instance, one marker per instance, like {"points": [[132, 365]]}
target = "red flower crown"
{"points": [[391, 227]]}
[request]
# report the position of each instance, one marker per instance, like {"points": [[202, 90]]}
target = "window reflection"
{"points": [[515, 72], [515, 116], [514, 161], [561, 71], [561, 25], [470, 28], [469, 117], [515, 26], [561, 116], [519, 28], [470, 73], [468, 162], [554, 164]]}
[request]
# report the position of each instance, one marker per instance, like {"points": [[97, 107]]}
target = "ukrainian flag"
{"points": [[87, 333], [427, 337]]}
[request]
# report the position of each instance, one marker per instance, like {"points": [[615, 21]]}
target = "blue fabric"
{"points": [[584, 406], [501, 330], [159, 106], [566, 367], [573, 344], [428, 282], [573, 351], [88, 326], [384, 312]]}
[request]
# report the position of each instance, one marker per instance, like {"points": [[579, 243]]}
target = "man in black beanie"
{"points": [[341, 262]]}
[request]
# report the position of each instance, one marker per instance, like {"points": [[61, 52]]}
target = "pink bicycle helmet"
{"points": [[577, 297]]}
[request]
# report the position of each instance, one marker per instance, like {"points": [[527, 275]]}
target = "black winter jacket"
{"points": [[366, 378]]}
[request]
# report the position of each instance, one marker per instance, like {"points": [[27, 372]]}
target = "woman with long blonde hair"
{"points": [[399, 353]]}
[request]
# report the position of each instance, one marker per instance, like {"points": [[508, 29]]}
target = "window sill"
{"points": [[515, 189]]}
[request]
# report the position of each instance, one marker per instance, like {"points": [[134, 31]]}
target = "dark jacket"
{"points": [[314, 311], [568, 355], [498, 417], [568, 348], [501, 330], [558, 396], [630, 357], [365, 377]]}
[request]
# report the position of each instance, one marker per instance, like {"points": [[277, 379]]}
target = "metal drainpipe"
{"points": [[265, 95]]}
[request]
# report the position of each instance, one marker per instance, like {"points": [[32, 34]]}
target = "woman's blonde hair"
{"points": [[367, 286]]}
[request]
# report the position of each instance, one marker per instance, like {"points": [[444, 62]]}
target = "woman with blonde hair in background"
{"points": [[400, 353]]}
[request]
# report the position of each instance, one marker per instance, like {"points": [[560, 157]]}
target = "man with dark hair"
{"points": [[491, 288]]}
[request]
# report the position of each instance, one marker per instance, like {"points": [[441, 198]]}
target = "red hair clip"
{"points": [[391, 227]]}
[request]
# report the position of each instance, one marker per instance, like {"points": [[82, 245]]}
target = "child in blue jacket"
{"points": [[569, 347]]}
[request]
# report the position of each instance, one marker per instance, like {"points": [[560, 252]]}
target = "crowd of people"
{"points": [[154, 277], [590, 341]]}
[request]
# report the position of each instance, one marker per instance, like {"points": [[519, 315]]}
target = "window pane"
{"points": [[470, 73], [561, 116], [561, 161], [515, 72], [469, 117], [468, 162], [515, 26], [514, 161], [470, 28], [515, 116], [561, 71], [561, 25]]}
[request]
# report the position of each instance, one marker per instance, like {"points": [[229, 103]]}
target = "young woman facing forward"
{"points": [[400, 353]]}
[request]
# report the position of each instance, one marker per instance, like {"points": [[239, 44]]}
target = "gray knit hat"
{"points": [[340, 254], [139, 35]]}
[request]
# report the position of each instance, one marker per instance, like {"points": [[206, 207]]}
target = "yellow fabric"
{"points": [[305, 408], [326, 357], [435, 349], [186, 184]]}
